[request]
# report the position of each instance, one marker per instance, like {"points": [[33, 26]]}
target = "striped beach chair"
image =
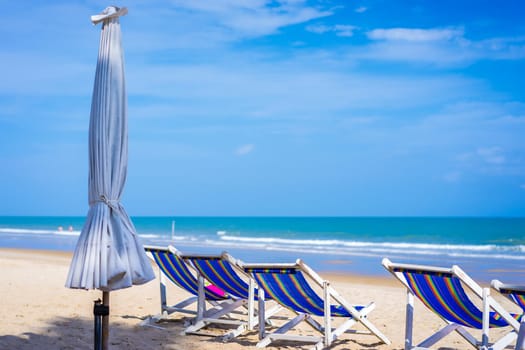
{"points": [[227, 273], [297, 287], [516, 293], [442, 291], [173, 268]]}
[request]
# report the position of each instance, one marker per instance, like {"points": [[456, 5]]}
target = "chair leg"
{"points": [[485, 319], [327, 315], [269, 313], [262, 311], [434, 338], [503, 342], [285, 328], [162, 285], [215, 318], [369, 325], [520, 343], [201, 299], [467, 336], [251, 302], [409, 322]]}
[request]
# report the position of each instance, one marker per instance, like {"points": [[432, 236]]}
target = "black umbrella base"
{"points": [[99, 310]]}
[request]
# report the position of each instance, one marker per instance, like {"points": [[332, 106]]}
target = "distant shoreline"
{"points": [[487, 248]]}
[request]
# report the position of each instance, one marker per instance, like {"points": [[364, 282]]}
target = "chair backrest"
{"points": [[286, 284], [176, 270], [441, 290], [219, 271], [513, 292]]}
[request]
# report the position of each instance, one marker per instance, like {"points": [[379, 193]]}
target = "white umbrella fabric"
{"points": [[109, 254]]}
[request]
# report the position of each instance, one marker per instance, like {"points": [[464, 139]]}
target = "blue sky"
{"points": [[252, 107]]}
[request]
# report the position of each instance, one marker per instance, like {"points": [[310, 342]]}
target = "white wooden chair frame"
{"points": [[488, 304], [328, 334], [497, 285], [201, 313], [251, 317]]}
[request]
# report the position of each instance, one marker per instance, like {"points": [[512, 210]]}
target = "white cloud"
{"points": [[339, 29], [439, 54], [510, 48], [414, 34], [439, 46], [344, 30], [244, 149], [446, 134], [314, 87], [491, 155], [319, 29], [361, 9], [251, 18]]}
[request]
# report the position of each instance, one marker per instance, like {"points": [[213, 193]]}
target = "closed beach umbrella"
{"points": [[108, 255]]}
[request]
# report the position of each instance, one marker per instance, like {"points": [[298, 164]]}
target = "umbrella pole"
{"points": [[105, 321], [101, 312], [98, 312]]}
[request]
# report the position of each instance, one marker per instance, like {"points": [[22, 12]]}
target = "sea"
{"points": [[486, 248]]}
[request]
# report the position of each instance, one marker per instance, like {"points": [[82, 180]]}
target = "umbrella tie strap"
{"points": [[109, 13], [112, 203]]}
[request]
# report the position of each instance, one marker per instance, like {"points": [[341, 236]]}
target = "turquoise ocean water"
{"points": [[485, 247]]}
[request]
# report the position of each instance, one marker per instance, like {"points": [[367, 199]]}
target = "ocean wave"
{"points": [[22, 231], [365, 252], [368, 245], [379, 249], [67, 233], [150, 236], [361, 248], [38, 232], [226, 240]]}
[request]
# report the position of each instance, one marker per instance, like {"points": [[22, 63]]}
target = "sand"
{"points": [[40, 313]]}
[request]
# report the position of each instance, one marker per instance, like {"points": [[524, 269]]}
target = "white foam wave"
{"points": [[345, 251], [364, 244], [319, 246], [22, 231], [67, 233], [149, 236], [366, 248], [38, 232]]}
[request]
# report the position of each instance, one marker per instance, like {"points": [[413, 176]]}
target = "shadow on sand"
{"points": [[74, 333], [77, 333]]}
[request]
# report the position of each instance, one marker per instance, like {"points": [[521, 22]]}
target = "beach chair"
{"points": [[176, 270], [224, 271], [516, 293], [297, 287], [442, 291]]}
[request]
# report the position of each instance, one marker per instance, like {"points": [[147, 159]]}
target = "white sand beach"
{"points": [[39, 312]]}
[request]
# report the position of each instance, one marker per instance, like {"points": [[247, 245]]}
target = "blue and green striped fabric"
{"points": [[518, 296], [289, 287], [220, 272], [444, 294], [176, 270]]}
